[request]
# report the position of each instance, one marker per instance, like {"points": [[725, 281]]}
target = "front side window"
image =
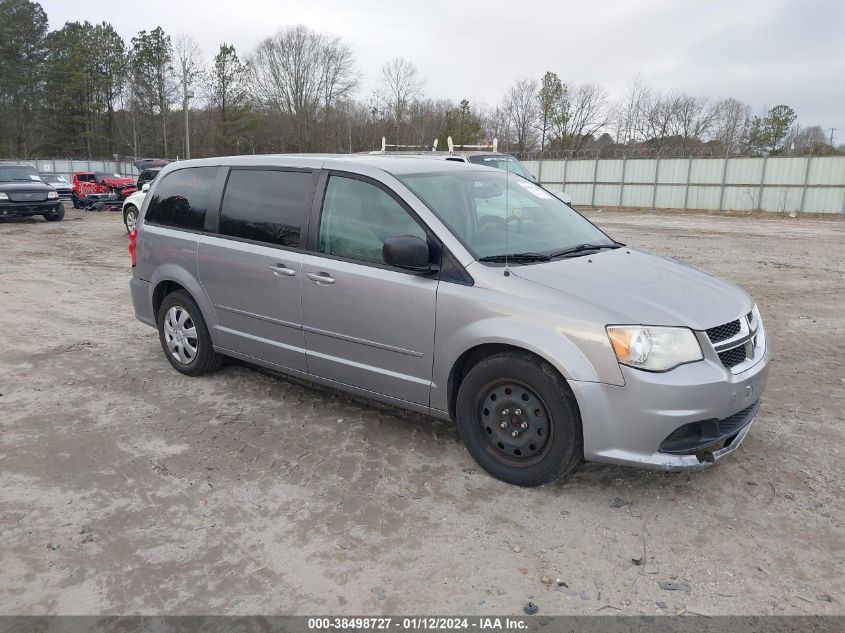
{"points": [[265, 205], [495, 213], [357, 219], [181, 199]]}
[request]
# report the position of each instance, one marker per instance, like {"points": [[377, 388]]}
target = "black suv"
{"points": [[23, 193]]}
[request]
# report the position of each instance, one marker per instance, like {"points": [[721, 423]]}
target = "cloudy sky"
{"points": [[764, 52]]}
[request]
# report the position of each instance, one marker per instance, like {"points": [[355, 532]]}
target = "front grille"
{"points": [[733, 357], [723, 332], [27, 196], [735, 422]]}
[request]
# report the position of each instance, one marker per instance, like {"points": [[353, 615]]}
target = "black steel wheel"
{"points": [[519, 419], [515, 422]]}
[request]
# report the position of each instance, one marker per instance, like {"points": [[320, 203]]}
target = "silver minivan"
{"points": [[455, 290]]}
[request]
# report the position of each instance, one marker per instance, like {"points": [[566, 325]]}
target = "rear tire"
{"points": [[519, 420], [130, 218], [184, 336], [55, 216]]}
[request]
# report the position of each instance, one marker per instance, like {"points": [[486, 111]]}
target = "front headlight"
{"points": [[654, 348], [52, 195], [4, 196], [756, 318]]}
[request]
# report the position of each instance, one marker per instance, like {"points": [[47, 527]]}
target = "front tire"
{"points": [[130, 218], [55, 216], [519, 420], [184, 336]]}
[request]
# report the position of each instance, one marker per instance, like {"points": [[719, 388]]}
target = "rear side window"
{"points": [[181, 199], [265, 205]]}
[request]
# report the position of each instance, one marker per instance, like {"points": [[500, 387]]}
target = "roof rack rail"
{"points": [[395, 147], [494, 146]]}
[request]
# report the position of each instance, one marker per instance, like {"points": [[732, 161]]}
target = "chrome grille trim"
{"points": [[748, 337]]}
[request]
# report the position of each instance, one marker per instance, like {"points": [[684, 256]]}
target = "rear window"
{"points": [[181, 199], [265, 205]]}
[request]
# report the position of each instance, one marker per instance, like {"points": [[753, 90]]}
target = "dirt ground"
{"points": [[126, 487]]}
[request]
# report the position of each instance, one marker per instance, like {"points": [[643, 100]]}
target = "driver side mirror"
{"points": [[408, 252], [145, 186]]}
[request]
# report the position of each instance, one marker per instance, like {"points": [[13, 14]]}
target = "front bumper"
{"points": [[23, 209], [626, 425]]}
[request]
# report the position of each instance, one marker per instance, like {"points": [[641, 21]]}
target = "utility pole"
{"points": [[185, 97], [832, 130]]}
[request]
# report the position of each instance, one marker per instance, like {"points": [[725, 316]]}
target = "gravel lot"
{"points": [[126, 487]]}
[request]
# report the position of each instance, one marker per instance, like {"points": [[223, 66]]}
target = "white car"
{"points": [[132, 207]]}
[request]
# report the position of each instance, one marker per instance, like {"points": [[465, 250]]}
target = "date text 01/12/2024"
{"points": [[417, 623]]}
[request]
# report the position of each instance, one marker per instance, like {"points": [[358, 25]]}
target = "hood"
{"points": [[24, 185], [118, 182], [643, 288]]}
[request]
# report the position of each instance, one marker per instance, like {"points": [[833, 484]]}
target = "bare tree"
{"points": [[656, 118], [521, 107], [189, 71], [731, 124], [694, 117], [339, 76], [401, 85], [629, 111], [582, 112], [299, 71]]}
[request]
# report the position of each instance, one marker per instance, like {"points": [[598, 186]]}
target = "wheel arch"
{"points": [[474, 355], [170, 278], [458, 351]]}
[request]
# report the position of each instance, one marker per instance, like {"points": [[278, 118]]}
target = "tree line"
{"points": [[81, 91]]}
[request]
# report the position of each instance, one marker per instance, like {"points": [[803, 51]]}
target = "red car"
{"points": [[88, 182]]}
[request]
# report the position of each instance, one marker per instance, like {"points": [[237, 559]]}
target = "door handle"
{"points": [[280, 270], [320, 278]]}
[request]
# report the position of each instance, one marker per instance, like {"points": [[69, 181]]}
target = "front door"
{"points": [[367, 324], [252, 269]]}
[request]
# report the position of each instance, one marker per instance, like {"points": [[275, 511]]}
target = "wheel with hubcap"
{"points": [[184, 336], [519, 420], [130, 218]]}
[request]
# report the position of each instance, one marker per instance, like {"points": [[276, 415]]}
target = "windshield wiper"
{"points": [[583, 248], [518, 258]]}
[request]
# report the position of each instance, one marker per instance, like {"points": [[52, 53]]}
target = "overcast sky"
{"points": [[764, 52]]}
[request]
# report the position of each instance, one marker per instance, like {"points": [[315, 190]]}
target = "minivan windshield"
{"points": [[494, 214], [501, 161], [9, 173]]}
